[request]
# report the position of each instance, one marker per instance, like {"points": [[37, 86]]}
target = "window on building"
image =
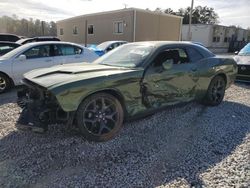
{"points": [[61, 31], [75, 30], [214, 39], [225, 39], [90, 29], [118, 27]]}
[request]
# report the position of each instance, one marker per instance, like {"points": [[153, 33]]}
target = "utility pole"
{"points": [[190, 21], [43, 23]]}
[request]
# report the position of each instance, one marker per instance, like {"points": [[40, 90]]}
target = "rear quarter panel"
{"points": [[211, 67]]}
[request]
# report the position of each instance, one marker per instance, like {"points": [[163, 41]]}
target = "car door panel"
{"points": [[20, 67], [164, 87], [65, 54]]}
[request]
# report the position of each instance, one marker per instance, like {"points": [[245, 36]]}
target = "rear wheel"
{"points": [[5, 83], [100, 117], [216, 91]]}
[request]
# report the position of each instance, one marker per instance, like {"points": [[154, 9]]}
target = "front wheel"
{"points": [[216, 91], [100, 117], [5, 83]]}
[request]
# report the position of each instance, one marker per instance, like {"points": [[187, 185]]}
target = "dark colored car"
{"points": [[37, 39], [243, 62], [6, 47], [9, 37], [133, 80]]}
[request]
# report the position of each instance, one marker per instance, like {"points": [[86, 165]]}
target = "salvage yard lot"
{"points": [[189, 145]]}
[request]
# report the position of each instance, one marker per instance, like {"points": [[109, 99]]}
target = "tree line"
{"points": [[200, 15], [27, 27]]}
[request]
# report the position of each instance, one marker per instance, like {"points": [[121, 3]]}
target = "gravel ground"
{"points": [[188, 146]]}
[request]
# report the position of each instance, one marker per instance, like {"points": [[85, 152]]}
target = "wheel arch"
{"points": [[115, 93], [223, 75]]}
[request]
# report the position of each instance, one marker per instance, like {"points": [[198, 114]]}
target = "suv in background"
{"points": [[37, 39], [6, 47], [9, 37]]}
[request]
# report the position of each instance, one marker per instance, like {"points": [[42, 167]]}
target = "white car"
{"points": [[39, 55]]}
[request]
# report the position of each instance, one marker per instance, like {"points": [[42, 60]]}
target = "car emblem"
{"points": [[243, 68]]}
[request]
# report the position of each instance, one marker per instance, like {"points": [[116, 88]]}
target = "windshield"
{"points": [[129, 55], [245, 50], [103, 45], [14, 52]]}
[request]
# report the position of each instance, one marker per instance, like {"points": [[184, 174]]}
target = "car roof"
{"points": [[8, 42], [158, 44], [51, 42]]}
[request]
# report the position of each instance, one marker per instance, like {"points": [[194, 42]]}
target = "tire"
{"points": [[215, 92], [5, 83], [100, 117]]}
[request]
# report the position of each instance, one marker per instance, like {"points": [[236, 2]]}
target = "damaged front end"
{"points": [[39, 108]]}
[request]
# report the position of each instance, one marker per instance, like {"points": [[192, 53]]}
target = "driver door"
{"points": [[171, 78], [34, 58]]}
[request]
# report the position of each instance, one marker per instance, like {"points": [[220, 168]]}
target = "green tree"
{"points": [[24, 27], [200, 15]]}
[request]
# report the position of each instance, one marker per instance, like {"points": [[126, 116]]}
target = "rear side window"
{"points": [[194, 55], [66, 50]]}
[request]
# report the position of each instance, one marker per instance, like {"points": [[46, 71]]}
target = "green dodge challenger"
{"points": [[133, 80]]}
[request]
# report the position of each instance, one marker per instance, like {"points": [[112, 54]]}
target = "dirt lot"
{"points": [[183, 146]]}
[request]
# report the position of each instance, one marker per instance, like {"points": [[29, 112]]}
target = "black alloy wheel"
{"points": [[216, 91], [100, 117]]}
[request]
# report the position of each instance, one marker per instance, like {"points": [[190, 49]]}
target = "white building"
{"points": [[217, 38]]}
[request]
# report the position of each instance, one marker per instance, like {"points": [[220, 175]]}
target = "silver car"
{"points": [[39, 55]]}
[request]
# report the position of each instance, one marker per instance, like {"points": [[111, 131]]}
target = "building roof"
{"points": [[122, 10], [186, 25]]}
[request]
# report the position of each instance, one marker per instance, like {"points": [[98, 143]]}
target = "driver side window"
{"points": [[175, 55], [38, 52]]}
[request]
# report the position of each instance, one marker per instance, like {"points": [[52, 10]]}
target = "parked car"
{"points": [[37, 55], [37, 39], [134, 79], [9, 37], [6, 47], [243, 61], [106, 47]]}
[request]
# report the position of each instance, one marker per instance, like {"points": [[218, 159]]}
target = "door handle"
{"points": [[48, 60]]}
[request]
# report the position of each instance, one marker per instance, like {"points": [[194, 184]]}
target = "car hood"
{"points": [[242, 59], [63, 74]]}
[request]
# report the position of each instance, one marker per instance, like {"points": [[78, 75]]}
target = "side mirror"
{"points": [[236, 52], [21, 57], [168, 64]]}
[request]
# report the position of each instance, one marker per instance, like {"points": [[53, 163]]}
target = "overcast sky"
{"points": [[230, 12]]}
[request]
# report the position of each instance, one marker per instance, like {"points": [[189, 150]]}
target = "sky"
{"points": [[230, 12]]}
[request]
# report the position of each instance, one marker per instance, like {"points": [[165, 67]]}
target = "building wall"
{"points": [[215, 37], [103, 27], [199, 33], [149, 26], [67, 26], [152, 26]]}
